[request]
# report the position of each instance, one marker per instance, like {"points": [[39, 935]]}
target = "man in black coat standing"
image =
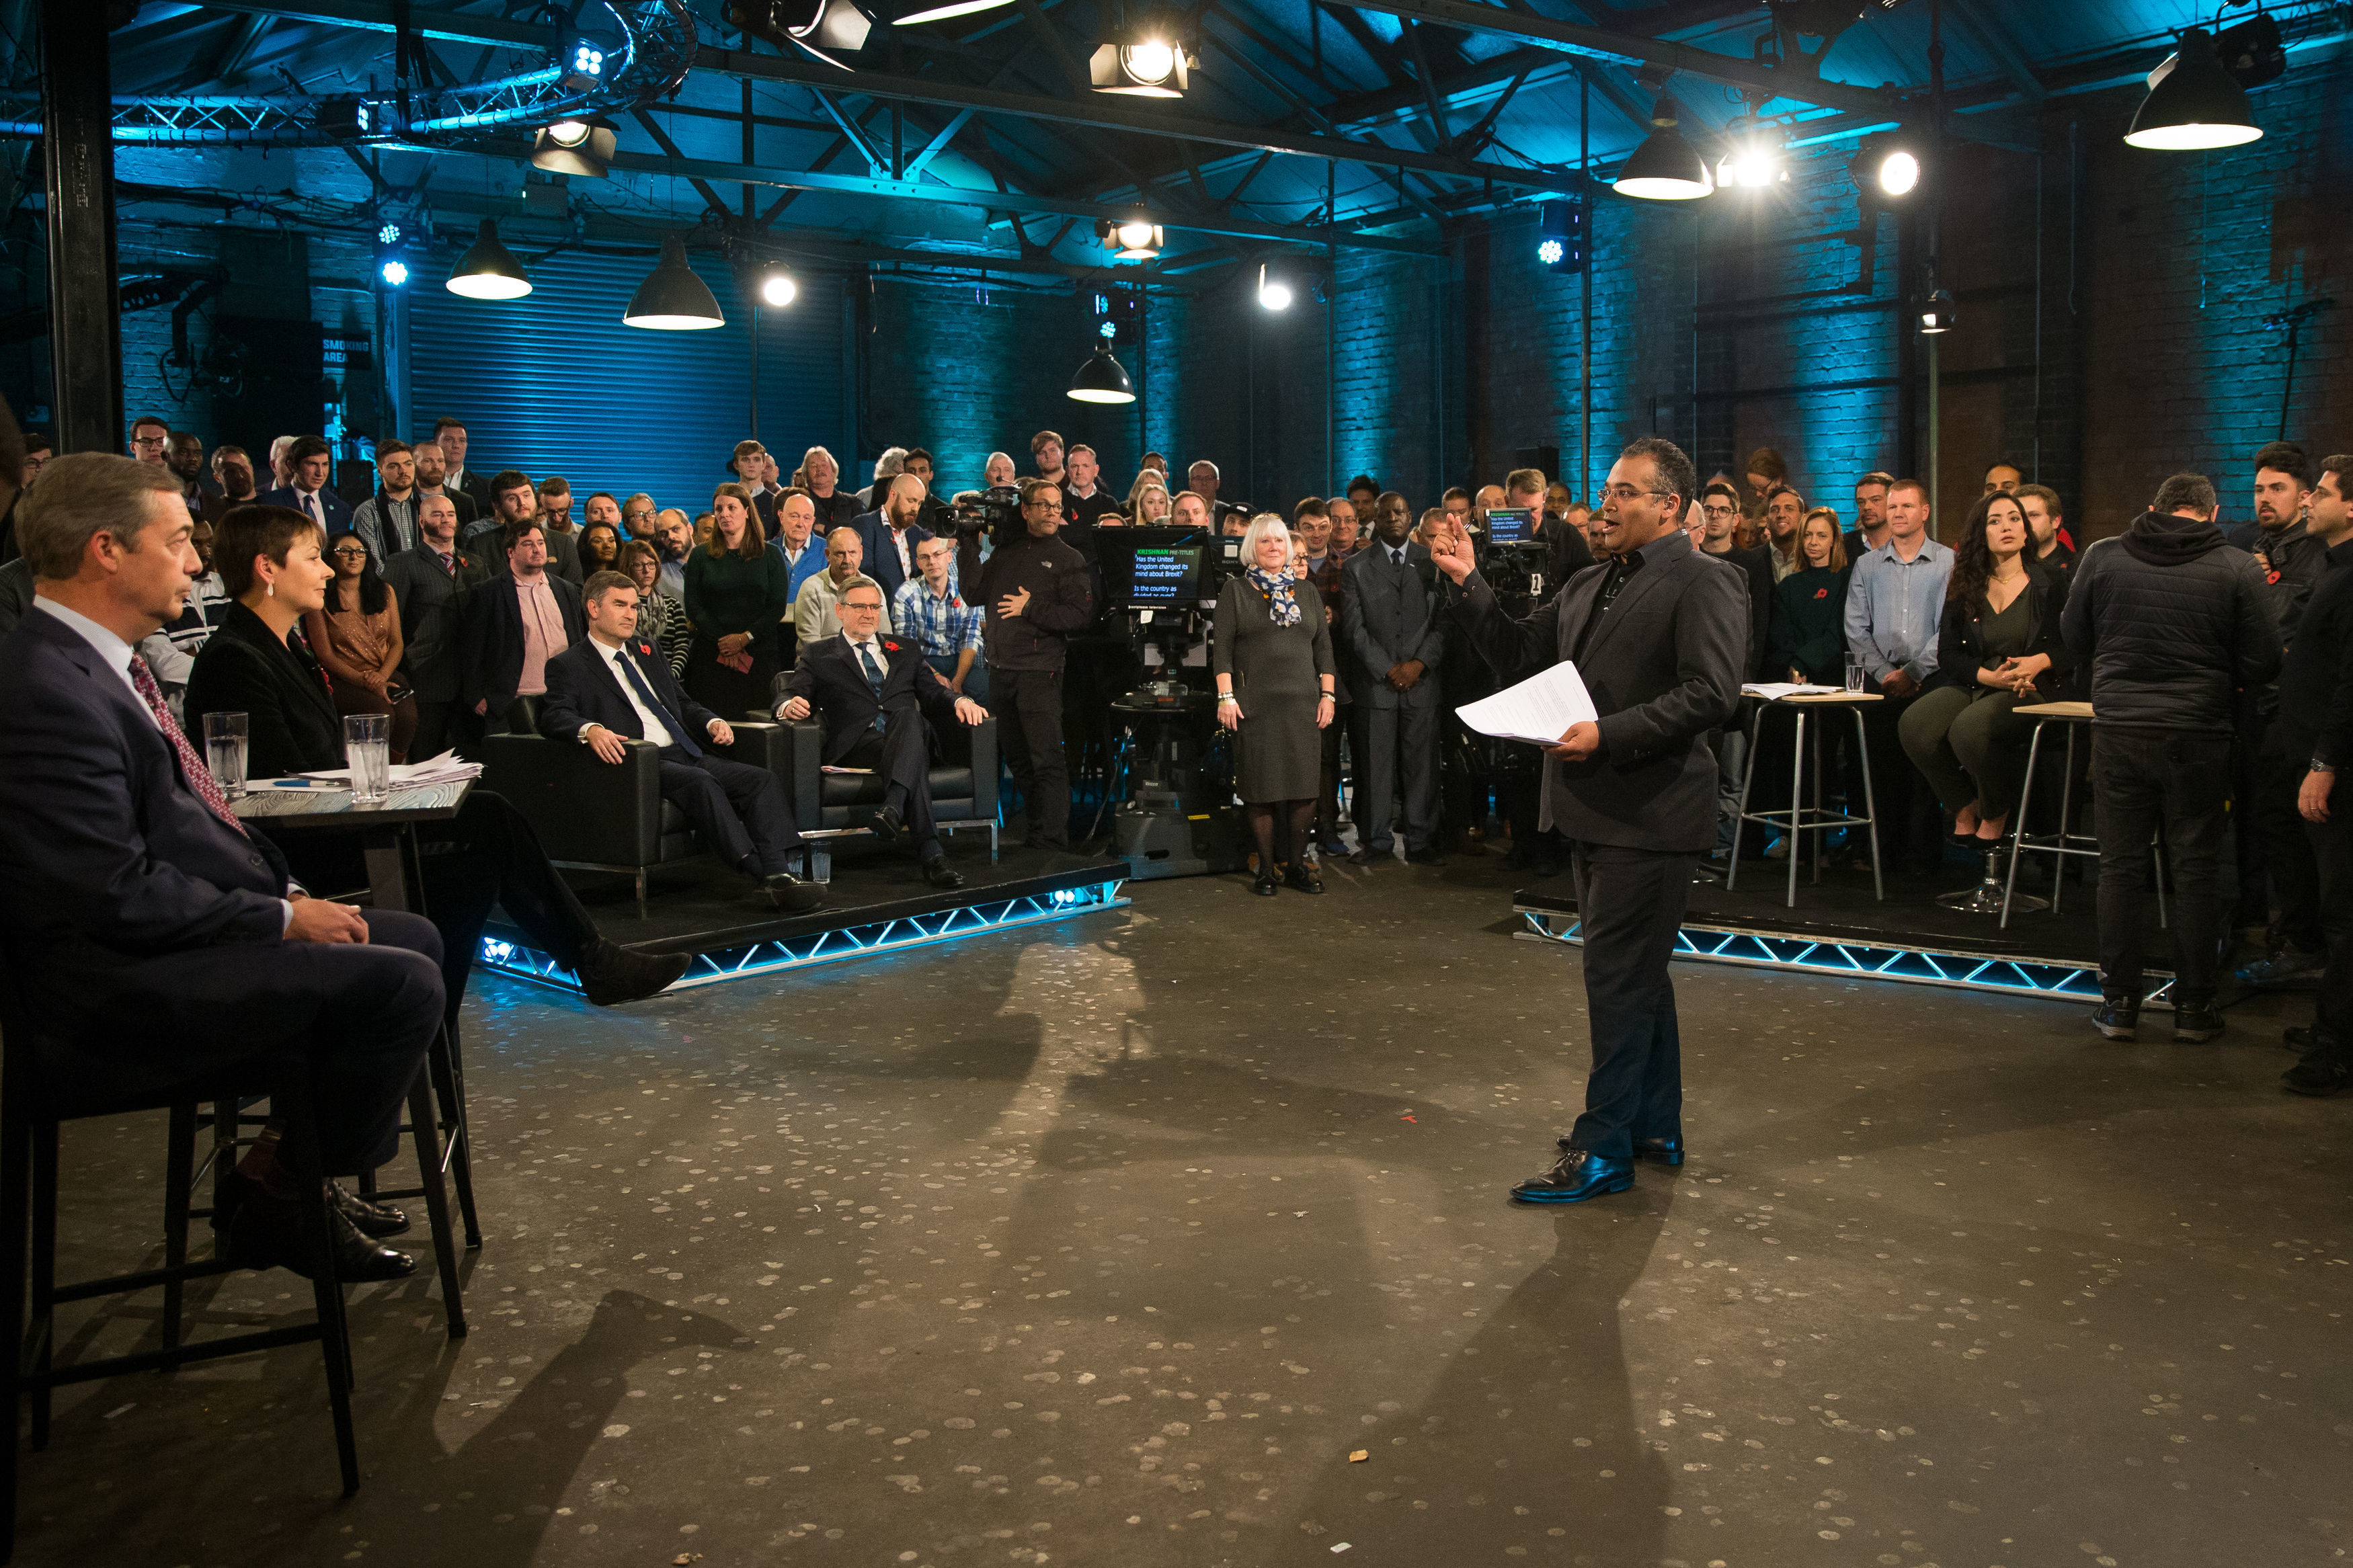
{"points": [[2316, 722], [1659, 635], [432, 582], [1036, 592], [514, 624]]}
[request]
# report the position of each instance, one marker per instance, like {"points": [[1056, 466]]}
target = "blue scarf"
{"points": [[1279, 601]]}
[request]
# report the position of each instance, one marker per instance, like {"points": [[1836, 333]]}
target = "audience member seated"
{"points": [[432, 584], [661, 620], [514, 624], [1153, 507], [310, 461], [879, 702], [931, 608], [170, 652], [1999, 646], [612, 688], [1808, 640], [814, 616], [355, 634], [735, 598], [271, 561], [152, 935], [888, 536]]}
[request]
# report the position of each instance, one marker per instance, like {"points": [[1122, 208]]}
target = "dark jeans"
{"points": [[740, 809], [2331, 847], [1028, 711], [1630, 904], [2253, 906], [900, 756], [2295, 879], [2140, 779]]}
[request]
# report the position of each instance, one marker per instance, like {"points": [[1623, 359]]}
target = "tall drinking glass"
{"points": [[1855, 672], [225, 743], [367, 747]]}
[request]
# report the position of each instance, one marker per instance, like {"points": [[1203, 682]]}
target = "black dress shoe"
{"points": [[1576, 1176], [612, 975], [790, 894], [2329, 1070], [888, 827], [1303, 878], [266, 1232], [367, 1217], [2196, 1019], [2118, 1018], [1429, 855], [940, 874], [1667, 1150], [1368, 857], [1268, 883]]}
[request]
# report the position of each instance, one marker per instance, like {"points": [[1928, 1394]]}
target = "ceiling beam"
{"points": [[1116, 116], [376, 17], [1990, 37]]}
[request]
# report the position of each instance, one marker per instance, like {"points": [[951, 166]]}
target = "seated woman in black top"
{"points": [[1997, 649], [1808, 640], [271, 561]]}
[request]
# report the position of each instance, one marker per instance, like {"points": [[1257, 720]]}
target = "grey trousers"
{"points": [[1397, 740]]}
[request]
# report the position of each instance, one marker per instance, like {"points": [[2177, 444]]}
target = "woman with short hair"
{"points": [[661, 620], [1271, 655]]}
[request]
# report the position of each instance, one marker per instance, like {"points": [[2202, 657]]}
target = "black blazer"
{"points": [[828, 676], [1662, 668], [582, 690], [291, 725], [1960, 636], [432, 608], [873, 532], [489, 641]]}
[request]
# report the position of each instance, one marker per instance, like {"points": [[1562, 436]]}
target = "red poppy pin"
{"points": [[892, 646], [1822, 592]]}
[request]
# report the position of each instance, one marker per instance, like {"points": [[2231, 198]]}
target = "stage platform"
{"points": [[878, 902], [1839, 928]]}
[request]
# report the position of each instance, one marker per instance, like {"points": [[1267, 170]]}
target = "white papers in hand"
{"points": [[1540, 708]]}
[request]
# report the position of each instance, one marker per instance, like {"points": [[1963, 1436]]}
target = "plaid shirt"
{"points": [[943, 627]]}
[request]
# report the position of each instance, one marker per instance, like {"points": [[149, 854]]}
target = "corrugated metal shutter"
{"points": [[554, 384]]}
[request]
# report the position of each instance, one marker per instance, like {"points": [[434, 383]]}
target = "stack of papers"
{"points": [[1773, 691], [447, 768], [1540, 708]]}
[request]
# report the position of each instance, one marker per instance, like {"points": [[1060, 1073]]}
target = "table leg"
{"points": [[2066, 817], [382, 849], [1822, 837], [1870, 808], [1796, 802], [1740, 818], [2018, 831]]}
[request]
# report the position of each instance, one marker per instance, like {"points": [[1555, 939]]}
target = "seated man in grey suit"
{"points": [[1390, 626], [610, 687], [1660, 637]]}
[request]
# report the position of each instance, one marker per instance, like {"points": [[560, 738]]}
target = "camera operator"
{"points": [[1566, 552], [1036, 591]]}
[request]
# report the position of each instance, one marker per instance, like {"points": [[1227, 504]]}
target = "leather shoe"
{"points": [[612, 975], [1429, 854], [2329, 1070], [1576, 1176], [2196, 1019], [790, 894], [1268, 883], [1303, 878], [888, 828], [266, 1232], [2118, 1018], [367, 1216], [1667, 1150], [940, 874]]}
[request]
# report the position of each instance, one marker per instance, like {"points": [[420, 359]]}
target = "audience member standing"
{"points": [[433, 583], [1321, 564], [309, 462], [355, 634], [888, 535], [449, 435], [1085, 503], [2316, 721], [735, 597], [1034, 593], [386, 520], [1894, 607], [815, 609], [819, 473], [1389, 622], [1869, 530], [432, 480], [233, 472], [514, 625], [1271, 654], [2172, 621]]}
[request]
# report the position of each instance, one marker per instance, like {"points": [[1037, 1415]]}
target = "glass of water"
{"points": [[224, 743], [367, 747], [1855, 672]]}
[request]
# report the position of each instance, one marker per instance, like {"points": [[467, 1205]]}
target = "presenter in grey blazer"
{"points": [[1660, 634]]}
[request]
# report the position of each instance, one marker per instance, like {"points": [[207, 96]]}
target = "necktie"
{"points": [[192, 767], [310, 505], [449, 561], [646, 694], [1397, 557], [873, 679]]}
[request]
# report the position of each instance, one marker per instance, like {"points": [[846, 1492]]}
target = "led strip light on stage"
{"points": [[2057, 979], [895, 935]]}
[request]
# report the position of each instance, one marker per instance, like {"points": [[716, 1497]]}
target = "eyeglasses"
{"points": [[147, 441], [359, 554], [863, 608], [1628, 492]]}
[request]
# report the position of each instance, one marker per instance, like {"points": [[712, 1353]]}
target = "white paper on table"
{"points": [[1540, 708], [1774, 690], [447, 768]]}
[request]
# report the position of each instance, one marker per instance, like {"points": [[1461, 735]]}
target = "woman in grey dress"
{"points": [[1272, 657]]}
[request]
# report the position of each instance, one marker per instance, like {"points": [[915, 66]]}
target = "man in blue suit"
{"points": [[890, 533], [610, 689], [154, 938], [312, 461]]}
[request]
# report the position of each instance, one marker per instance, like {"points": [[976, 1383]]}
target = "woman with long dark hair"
{"points": [[356, 633], [735, 595], [600, 549], [1999, 646]]}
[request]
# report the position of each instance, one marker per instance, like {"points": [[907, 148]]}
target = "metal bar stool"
{"points": [[2064, 841], [1801, 818]]}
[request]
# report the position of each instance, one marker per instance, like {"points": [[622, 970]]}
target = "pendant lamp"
{"points": [[489, 271], [2192, 103], [1665, 167], [672, 298], [1102, 380]]}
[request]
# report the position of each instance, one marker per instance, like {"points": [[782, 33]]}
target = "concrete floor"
{"points": [[1116, 1242]]}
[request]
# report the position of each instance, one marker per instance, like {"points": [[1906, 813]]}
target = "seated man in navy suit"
{"points": [[610, 687], [153, 939], [880, 698]]}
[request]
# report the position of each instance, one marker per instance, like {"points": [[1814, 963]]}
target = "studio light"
{"points": [[672, 298], [1102, 380], [582, 145], [1937, 315], [1758, 158], [391, 258], [1274, 290], [584, 61], [776, 286], [489, 271], [821, 29], [2193, 103], [1561, 241], [1130, 239], [1889, 170], [1665, 167], [1145, 60]]}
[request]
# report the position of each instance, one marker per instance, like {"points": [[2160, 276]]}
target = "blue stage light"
{"points": [[1549, 253], [395, 273]]}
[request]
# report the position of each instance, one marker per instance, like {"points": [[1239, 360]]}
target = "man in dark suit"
{"points": [[611, 688], [890, 533], [472, 478], [880, 699], [1390, 624], [433, 583], [312, 460], [514, 625], [432, 480], [1659, 635], [154, 939]]}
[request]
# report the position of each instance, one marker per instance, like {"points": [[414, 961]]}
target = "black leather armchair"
{"points": [[961, 790]]}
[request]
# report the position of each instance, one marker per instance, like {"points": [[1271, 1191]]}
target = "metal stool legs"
{"points": [[1797, 820]]}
